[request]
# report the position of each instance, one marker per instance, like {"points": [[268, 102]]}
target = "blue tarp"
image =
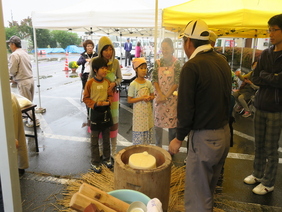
{"points": [[74, 49], [50, 50]]}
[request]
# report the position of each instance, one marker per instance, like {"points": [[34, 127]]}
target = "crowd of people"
{"points": [[191, 101]]}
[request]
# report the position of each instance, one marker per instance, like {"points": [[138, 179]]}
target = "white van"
{"points": [[119, 51]]}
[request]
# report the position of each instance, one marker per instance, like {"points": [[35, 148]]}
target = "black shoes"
{"points": [[21, 172]]}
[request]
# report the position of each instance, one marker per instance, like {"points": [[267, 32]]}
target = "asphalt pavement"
{"points": [[64, 152]]}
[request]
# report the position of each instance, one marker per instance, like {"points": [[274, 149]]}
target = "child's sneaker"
{"points": [[96, 168], [247, 114], [109, 164]]}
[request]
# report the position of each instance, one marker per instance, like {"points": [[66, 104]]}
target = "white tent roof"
{"points": [[100, 16]]}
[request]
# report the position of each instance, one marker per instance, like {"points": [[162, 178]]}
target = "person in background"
{"points": [[20, 142], [127, 49], [140, 93], [21, 71], [202, 111], [84, 60], [96, 48], [268, 114], [165, 78], [97, 97], [245, 92], [212, 38], [138, 50], [106, 51], [23, 162]]}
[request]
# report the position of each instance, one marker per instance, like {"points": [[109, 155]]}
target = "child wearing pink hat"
{"points": [[141, 93]]}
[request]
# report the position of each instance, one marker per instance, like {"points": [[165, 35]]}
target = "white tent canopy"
{"points": [[124, 16]]}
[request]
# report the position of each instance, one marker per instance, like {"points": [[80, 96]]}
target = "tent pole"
{"points": [[254, 48], [120, 47], [38, 109], [223, 47], [233, 49], [242, 50], [175, 45], [156, 29]]}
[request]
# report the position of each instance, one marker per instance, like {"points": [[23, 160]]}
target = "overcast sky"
{"points": [[19, 9]]}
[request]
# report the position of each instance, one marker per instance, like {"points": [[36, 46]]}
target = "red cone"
{"points": [[66, 65]]}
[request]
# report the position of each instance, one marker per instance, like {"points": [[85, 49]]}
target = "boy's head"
{"points": [[136, 62], [98, 63]]}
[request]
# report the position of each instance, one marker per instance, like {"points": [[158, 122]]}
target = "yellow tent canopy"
{"points": [[227, 18]]}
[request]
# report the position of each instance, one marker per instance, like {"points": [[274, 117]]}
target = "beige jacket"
{"points": [[23, 162]]}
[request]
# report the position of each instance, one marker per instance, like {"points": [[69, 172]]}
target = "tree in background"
{"points": [[11, 31], [65, 38], [45, 37]]}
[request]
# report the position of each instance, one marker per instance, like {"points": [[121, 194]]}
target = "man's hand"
{"points": [[174, 146]]}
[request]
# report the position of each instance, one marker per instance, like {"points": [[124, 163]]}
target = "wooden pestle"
{"points": [[103, 197], [79, 202]]}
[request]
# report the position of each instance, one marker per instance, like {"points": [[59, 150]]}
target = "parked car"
{"points": [[119, 51]]}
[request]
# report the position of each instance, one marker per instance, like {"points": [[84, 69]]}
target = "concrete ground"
{"points": [[64, 152]]}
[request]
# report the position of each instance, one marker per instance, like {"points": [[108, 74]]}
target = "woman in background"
{"points": [[165, 78], [138, 50], [85, 59]]}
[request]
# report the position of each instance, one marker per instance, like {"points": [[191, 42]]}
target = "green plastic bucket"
{"points": [[129, 196]]}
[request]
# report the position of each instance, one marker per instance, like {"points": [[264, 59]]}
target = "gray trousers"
{"points": [[159, 135], [267, 133], [127, 57], [26, 89], [206, 155]]}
